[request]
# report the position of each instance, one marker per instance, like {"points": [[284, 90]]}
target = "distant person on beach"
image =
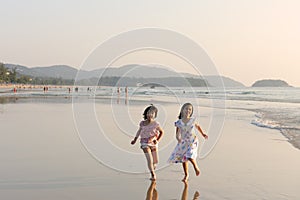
{"points": [[150, 133], [45, 88], [126, 95], [118, 97], [187, 146]]}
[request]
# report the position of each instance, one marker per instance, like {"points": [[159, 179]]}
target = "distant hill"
{"points": [[133, 71], [228, 82], [270, 83], [56, 71]]}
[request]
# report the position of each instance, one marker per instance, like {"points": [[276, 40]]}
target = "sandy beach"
{"points": [[44, 157]]}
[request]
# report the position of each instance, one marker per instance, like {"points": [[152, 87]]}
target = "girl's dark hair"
{"points": [[150, 108], [184, 105]]}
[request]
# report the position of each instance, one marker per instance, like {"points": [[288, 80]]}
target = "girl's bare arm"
{"points": [[178, 135], [136, 136], [200, 130], [161, 133]]}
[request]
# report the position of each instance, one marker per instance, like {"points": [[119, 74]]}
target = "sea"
{"points": [[273, 107]]}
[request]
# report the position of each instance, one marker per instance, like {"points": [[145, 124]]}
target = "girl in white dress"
{"points": [[187, 146]]}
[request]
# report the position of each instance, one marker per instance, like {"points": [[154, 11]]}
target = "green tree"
{"points": [[23, 79], [3, 75], [13, 76]]}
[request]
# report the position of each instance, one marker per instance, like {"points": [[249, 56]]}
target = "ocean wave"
{"points": [[266, 124], [240, 94], [276, 119]]}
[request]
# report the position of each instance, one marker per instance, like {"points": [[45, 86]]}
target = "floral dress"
{"points": [[188, 146]]}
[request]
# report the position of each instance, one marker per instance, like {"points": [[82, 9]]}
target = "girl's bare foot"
{"points": [[153, 176], [185, 179], [197, 171]]}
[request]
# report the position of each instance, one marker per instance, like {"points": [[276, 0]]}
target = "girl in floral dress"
{"points": [[187, 146], [150, 133]]}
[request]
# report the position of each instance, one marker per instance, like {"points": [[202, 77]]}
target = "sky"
{"points": [[247, 40]]}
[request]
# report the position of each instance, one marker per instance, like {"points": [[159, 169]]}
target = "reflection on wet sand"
{"points": [[184, 195], [152, 193], [41, 99], [5, 100]]}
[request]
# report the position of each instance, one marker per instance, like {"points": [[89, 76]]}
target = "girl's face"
{"points": [[150, 115], [187, 111]]}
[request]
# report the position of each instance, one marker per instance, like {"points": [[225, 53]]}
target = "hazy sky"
{"points": [[247, 40]]}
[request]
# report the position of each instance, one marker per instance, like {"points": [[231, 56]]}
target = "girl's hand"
{"points": [[205, 136], [133, 141]]}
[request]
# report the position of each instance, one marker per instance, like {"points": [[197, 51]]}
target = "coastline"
{"points": [[61, 94]]}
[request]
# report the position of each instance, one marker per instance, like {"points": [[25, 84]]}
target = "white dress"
{"points": [[188, 147]]}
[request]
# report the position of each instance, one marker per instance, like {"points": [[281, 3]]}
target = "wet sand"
{"points": [[43, 157]]}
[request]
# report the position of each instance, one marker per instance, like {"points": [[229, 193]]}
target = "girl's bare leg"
{"points": [[155, 157], [149, 159], [196, 168], [185, 170]]}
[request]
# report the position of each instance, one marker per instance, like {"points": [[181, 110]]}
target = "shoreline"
{"points": [[67, 98], [292, 137]]}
